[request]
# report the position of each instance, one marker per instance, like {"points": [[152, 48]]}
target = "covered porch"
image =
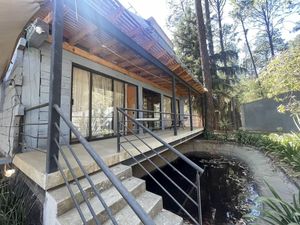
{"points": [[97, 66], [33, 163]]}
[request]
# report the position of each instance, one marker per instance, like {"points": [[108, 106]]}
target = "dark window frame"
{"points": [[92, 71]]}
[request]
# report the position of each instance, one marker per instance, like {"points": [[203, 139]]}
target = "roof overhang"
{"points": [[105, 31], [14, 15]]}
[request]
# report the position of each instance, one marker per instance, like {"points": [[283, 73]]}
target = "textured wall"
{"points": [[10, 107], [262, 115]]}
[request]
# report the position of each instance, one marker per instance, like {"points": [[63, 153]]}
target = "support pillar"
{"points": [[190, 110], [162, 115], [174, 105], [140, 105], [55, 84]]}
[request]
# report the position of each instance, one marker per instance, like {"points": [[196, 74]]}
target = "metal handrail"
{"points": [[150, 111], [139, 211], [178, 153], [37, 107], [121, 126]]}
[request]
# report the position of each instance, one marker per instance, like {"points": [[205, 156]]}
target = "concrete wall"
{"points": [[262, 115]]}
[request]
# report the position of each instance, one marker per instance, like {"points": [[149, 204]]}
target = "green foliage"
{"points": [[281, 75], [279, 212], [16, 202], [283, 72], [184, 26], [284, 146], [248, 90]]}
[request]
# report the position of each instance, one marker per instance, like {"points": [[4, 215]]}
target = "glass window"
{"points": [[95, 119], [81, 100], [102, 106], [167, 109]]}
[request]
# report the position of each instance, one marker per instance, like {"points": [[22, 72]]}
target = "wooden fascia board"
{"points": [[96, 59]]}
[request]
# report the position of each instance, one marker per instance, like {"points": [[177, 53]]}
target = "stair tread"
{"points": [[111, 196], [62, 196], [150, 202], [166, 217]]}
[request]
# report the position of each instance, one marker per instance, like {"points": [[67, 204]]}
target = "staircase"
{"points": [[67, 214]]}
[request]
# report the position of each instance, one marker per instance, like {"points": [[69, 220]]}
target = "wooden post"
{"points": [[55, 84]]}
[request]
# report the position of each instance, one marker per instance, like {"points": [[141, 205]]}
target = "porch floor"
{"points": [[33, 164]]}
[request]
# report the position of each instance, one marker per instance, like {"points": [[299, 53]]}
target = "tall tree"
{"points": [[207, 78], [268, 15], [218, 6], [240, 13], [208, 28], [182, 23]]}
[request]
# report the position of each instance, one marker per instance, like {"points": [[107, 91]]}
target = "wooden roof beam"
{"points": [[114, 17], [88, 31], [48, 19]]}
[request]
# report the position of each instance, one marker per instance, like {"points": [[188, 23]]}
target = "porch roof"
{"points": [[86, 36]]}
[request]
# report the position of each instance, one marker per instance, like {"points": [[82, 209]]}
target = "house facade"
{"points": [[121, 84], [99, 74]]}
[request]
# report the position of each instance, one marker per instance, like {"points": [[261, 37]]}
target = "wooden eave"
{"points": [[86, 39]]}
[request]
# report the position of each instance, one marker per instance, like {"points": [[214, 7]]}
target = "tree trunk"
{"points": [[248, 46], [207, 79], [268, 30], [270, 41], [210, 39], [208, 29], [221, 39]]}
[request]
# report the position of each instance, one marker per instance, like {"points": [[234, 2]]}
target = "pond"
{"points": [[227, 190]]}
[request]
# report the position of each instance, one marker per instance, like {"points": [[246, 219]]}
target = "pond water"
{"points": [[227, 190]]}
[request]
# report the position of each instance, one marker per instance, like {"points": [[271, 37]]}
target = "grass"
{"points": [[16, 201]]}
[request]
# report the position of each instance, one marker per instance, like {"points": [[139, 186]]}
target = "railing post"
{"points": [[55, 84], [190, 110], [199, 197], [174, 105], [162, 115], [118, 131]]}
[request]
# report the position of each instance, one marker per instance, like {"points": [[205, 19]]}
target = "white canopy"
{"points": [[14, 15]]}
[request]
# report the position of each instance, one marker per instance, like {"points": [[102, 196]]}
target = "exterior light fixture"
{"points": [[8, 172]]}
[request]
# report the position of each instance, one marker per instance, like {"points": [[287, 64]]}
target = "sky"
{"points": [[159, 10], [147, 8]]}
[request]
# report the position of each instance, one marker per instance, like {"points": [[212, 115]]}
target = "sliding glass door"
{"points": [[81, 100], [102, 106], [95, 98]]}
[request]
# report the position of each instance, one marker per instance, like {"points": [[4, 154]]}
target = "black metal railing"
{"points": [[136, 147], [30, 128], [157, 120], [62, 142]]}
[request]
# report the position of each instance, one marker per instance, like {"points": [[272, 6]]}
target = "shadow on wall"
{"points": [[262, 115]]}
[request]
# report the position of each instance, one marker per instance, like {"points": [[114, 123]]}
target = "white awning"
{"points": [[14, 15]]}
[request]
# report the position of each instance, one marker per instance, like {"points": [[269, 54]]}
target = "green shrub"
{"points": [[276, 211], [16, 201]]}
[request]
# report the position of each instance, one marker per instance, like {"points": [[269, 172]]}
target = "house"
{"points": [[90, 81]]}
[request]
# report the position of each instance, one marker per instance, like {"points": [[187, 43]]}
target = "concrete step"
{"points": [[166, 217], [63, 198], [150, 202], [113, 199]]}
